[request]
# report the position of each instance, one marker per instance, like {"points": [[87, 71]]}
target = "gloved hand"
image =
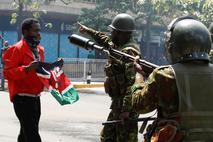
{"points": [[138, 67]]}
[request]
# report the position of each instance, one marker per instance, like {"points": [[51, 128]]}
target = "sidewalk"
{"points": [[94, 91], [78, 85], [93, 88]]}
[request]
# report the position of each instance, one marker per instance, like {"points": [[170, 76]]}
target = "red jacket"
{"points": [[16, 58]]}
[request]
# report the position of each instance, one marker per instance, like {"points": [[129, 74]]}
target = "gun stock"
{"points": [[90, 45], [113, 122]]}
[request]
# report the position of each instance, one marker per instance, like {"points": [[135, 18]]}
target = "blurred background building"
{"points": [[61, 16]]}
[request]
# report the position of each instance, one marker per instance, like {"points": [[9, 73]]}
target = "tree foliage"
{"points": [[101, 16], [30, 6], [201, 9], [147, 12], [27, 5]]}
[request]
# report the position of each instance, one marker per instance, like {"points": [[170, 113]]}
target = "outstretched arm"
{"points": [[100, 37]]}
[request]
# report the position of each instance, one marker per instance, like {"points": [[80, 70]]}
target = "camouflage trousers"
{"points": [[127, 132]]}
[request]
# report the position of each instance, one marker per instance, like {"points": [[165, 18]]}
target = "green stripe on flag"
{"points": [[68, 97]]}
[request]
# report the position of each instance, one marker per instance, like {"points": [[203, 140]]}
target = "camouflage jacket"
{"points": [[158, 92], [126, 68]]}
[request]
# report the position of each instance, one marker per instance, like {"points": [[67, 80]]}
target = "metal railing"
{"points": [[77, 69]]}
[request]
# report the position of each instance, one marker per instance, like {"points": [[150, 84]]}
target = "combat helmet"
{"points": [[187, 39], [123, 22]]}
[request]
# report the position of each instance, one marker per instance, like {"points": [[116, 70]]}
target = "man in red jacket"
{"points": [[21, 63]]}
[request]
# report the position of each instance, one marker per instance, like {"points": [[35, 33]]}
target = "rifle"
{"points": [[113, 122], [90, 45]]}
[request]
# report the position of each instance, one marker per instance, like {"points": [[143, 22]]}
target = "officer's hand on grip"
{"points": [[33, 66], [138, 67], [82, 29]]}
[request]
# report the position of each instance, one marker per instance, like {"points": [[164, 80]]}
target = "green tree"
{"points": [[162, 11], [21, 6], [102, 15], [147, 12], [154, 12], [201, 9]]}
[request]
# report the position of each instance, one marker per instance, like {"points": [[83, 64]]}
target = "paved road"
{"points": [[79, 122]]}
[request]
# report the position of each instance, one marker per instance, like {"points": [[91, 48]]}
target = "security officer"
{"points": [[181, 92], [120, 76]]}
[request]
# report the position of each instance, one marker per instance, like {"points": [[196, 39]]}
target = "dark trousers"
{"points": [[28, 111]]}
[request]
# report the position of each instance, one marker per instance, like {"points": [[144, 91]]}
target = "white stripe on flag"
{"points": [[66, 89]]}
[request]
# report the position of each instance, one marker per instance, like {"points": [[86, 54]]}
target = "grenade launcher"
{"points": [[90, 45]]}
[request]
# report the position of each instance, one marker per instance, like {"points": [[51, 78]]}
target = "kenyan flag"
{"points": [[59, 85]]}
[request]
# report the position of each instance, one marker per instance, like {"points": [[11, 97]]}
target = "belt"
{"points": [[29, 95]]}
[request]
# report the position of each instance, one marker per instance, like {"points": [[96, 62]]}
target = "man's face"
{"points": [[114, 37], [34, 31], [120, 38]]}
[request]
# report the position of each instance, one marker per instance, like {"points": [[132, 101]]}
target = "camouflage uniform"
{"points": [[158, 92], [181, 92], [120, 78], [177, 118]]}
